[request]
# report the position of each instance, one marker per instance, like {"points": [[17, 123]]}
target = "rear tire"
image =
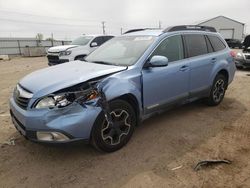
{"points": [[218, 90], [110, 138]]}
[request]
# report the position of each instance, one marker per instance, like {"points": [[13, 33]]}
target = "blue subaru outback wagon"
{"points": [[102, 99]]}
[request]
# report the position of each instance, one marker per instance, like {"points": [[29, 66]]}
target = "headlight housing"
{"points": [[239, 55], [65, 99], [65, 53], [60, 100]]}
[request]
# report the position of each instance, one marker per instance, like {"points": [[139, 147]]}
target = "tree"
{"points": [[39, 36]]}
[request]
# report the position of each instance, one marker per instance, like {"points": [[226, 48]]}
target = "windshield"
{"points": [[121, 51], [81, 40]]}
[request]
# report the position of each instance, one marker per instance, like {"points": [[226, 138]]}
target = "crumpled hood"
{"points": [[61, 48], [51, 79]]}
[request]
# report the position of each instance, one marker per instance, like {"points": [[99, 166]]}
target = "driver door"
{"points": [[169, 84]]}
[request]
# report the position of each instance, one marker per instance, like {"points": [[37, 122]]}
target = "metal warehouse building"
{"points": [[229, 28]]}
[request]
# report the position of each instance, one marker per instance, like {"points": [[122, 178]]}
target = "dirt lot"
{"points": [[177, 138]]}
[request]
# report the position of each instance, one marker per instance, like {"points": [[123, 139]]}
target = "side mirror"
{"points": [[157, 61], [93, 44]]}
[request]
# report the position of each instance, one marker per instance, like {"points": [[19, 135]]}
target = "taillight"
{"points": [[233, 54]]}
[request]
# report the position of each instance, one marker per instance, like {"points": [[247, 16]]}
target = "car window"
{"points": [[196, 45], [83, 40], [209, 46], [172, 48], [216, 43], [106, 38], [121, 51], [98, 40]]}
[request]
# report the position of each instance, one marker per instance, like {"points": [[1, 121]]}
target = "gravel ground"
{"points": [[177, 138]]}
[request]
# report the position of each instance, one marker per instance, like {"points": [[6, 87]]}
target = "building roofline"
{"points": [[223, 17]]}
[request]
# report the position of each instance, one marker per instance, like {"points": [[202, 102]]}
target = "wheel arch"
{"points": [[82, 55], [132, 100], [225, 73]]}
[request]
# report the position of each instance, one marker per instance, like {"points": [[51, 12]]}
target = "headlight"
{"points": [[65, 53], [53, 101], [239, 55], [48, 102], [65, 99]]}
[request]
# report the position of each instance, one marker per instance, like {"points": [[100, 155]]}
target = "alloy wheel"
{"points": [[219, 90], [113, 133]]}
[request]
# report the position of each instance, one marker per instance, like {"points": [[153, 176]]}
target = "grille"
{"points": [[52, 57], [247, 56], [19, 97], [22, 102]]}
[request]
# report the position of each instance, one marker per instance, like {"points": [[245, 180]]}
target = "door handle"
{"points": [[184, 68], [213, 60]]}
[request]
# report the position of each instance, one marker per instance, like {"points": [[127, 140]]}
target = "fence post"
{"points": [[19, 47]]}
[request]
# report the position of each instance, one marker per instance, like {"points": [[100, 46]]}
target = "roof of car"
{"points": [[174, 29], [96, 35]]}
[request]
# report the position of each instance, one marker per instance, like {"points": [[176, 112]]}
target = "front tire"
{"points": [[111, 137], [218, 90]]}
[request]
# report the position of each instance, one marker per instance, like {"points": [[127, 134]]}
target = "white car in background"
{"points": [[77, 50]]}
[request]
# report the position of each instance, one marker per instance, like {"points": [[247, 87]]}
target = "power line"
{"points": [[63, 18], [46, 23]]}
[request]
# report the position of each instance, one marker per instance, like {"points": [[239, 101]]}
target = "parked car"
{"points": [[246, 43], [234, 43], [77, 50], [242, 59], [123, 82]]}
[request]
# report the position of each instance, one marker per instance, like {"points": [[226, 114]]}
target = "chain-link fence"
{"points": [[16, 47]]}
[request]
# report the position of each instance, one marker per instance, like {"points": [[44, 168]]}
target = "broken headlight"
{"points": [[65, 99]]}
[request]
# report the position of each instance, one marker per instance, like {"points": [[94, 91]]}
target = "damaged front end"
{"points": [[63, 116]]}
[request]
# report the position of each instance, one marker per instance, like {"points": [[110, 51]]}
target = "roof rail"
{"points": [[190, 27], [141, 29]]}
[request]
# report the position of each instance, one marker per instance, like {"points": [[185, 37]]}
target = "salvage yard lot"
{"points": [[179, 138]]}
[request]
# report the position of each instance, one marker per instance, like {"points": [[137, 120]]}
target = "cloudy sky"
{"points": [[67, 19]]}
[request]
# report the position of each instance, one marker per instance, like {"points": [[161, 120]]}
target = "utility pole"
{"points": [[159, 24], [103, 27], [52, 39]]}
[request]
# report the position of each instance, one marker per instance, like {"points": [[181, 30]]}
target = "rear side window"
{"points": [[172, 48], [209, 46], [106, 38], [216, 43], [196, 45]]}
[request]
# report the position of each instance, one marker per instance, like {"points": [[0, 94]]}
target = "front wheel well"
{"points": [[80, 56], [131, 99]]}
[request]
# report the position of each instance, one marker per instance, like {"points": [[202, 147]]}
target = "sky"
{"points": [[67, 19]]}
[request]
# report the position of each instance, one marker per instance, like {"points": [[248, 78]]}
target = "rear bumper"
{"points": [[74, 121]]}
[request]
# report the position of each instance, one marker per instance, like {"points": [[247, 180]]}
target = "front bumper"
{"points": [[54, 59], [245, 63], [52, 62], [74, 121]]}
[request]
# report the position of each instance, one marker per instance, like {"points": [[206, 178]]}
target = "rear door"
{"points": [[201, 63]]}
